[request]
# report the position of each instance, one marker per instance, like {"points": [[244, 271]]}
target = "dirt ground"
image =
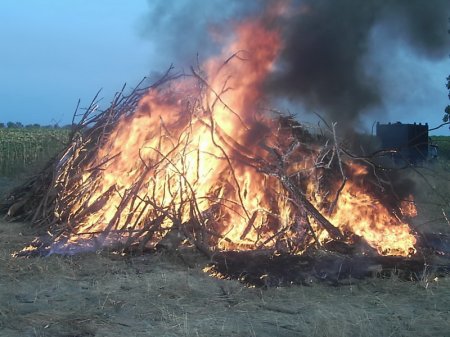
{"points": [[162, 295]]}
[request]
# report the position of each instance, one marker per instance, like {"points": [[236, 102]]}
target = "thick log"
{"points": [[301, 200]]}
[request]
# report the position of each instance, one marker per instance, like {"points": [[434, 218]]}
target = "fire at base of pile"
{"points": [[174, 164]]}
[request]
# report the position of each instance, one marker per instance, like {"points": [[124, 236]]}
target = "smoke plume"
{"points": [[183, 29], [323, 63], [326, 43]]}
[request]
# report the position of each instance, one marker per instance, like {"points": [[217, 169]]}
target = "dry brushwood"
{"points": [[140, 221], [46, 199], [35, 200]]}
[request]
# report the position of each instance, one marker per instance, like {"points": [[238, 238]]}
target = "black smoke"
{"points": [[326, 43], [323, 62]]}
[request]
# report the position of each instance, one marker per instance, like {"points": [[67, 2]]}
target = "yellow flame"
{"points": [[175, 147]]}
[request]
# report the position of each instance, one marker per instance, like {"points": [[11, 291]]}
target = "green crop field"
{"points": [[443, 143], [23, 150]]}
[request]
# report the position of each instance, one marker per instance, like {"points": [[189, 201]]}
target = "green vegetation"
{"points": [[26, 149], [443, 143], [446, 118]]}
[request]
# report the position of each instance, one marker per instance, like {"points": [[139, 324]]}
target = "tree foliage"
{"points": [[447, 109]]}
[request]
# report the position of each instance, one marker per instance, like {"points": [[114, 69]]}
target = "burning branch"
{"points": [[185, 160]]}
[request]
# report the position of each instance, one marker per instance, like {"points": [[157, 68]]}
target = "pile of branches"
{"points": [[37, 199], [47, 198]]}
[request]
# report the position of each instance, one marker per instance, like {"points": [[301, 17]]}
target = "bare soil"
{"points": [[164, 295]]}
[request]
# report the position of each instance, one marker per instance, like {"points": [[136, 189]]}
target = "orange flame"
{"points": [[359, 212], [176, 146]]}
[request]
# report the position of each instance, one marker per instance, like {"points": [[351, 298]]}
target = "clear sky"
{"points": [[54, 52]]}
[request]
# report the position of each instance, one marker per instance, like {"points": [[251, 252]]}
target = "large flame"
{"points": [[181, 154]]}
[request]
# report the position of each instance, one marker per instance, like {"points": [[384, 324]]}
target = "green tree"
{"points": [[447, 109]]}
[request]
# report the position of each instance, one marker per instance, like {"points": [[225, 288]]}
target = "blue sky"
{"points": [[55, 52]]}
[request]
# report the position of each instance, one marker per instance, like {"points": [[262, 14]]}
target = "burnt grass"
{"points": [[168, 294]]}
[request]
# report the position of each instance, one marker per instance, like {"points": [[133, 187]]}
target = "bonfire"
{"points": [[201, 159]]}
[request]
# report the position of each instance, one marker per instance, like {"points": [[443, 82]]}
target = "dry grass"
{"points": [[159, 295]]}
